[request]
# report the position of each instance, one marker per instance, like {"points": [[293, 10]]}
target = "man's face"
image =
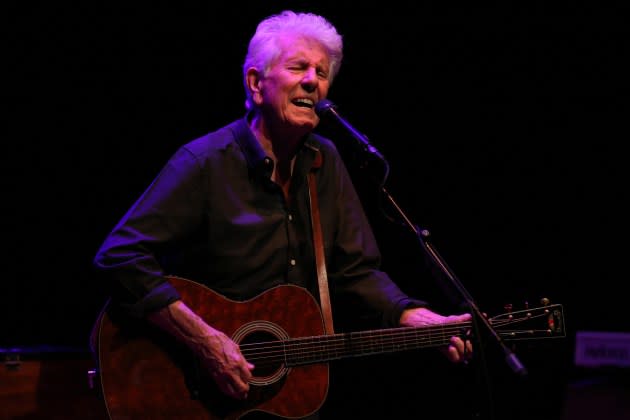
{"points": [[295, 82]]}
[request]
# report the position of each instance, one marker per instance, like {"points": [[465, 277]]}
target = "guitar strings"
{"points": [[309, 349], [306, 350]]}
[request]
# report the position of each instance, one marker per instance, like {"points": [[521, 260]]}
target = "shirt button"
{"points": [[292, 262]]}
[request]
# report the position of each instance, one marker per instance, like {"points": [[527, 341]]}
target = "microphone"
{"points": [[325, 108]]}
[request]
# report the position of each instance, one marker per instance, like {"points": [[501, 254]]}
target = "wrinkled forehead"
{"points": [[294, 47]]}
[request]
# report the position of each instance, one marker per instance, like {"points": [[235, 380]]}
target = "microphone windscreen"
{"points": [[323, 106]]}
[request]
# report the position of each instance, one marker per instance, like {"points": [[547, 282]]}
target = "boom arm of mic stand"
{"points": [[423, 235]]}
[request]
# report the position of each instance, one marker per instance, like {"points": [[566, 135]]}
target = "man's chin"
{"points": [[304, 126]]}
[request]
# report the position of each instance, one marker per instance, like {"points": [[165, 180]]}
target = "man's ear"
{"points": [[254, 84]]}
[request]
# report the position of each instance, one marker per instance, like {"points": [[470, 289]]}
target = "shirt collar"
{"points": [[257, 160]]}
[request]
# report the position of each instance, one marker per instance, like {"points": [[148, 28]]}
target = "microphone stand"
{"points": [[479, 321], [423, 236]]}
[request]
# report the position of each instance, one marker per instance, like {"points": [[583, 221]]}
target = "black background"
{"points": [[504, 126]]}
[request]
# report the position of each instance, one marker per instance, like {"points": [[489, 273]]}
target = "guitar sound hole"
{"points": [[263, 344], [264, 357]]}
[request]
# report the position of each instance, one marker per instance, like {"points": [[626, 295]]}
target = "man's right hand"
{"points": [[218, 353]]}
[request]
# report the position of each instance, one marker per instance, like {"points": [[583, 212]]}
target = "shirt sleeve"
{"points": [[129, 258]]}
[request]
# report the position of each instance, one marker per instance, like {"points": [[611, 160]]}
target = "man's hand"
{"points": [[457, 350], [223, 359], [218, 353]]}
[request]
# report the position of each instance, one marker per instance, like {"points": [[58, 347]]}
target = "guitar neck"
{"points": [[319, 349]]}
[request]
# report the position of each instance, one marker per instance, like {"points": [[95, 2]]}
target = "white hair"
{"points": [[263, 47]]}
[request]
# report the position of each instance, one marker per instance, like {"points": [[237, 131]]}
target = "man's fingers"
{"points": [[452, 354], [459, 350]]}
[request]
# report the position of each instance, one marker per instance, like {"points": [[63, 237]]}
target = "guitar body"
{"points": [[145, 375]]}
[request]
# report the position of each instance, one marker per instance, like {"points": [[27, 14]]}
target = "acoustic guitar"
{"points": [[146, 375]]}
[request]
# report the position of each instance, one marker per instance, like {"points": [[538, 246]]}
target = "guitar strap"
{"points": [[320, 262]]}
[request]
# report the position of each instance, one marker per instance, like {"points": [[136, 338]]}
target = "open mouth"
{"points": [[303, 102]]}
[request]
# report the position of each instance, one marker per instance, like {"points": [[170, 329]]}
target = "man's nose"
{"points": [[310, 80]]}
